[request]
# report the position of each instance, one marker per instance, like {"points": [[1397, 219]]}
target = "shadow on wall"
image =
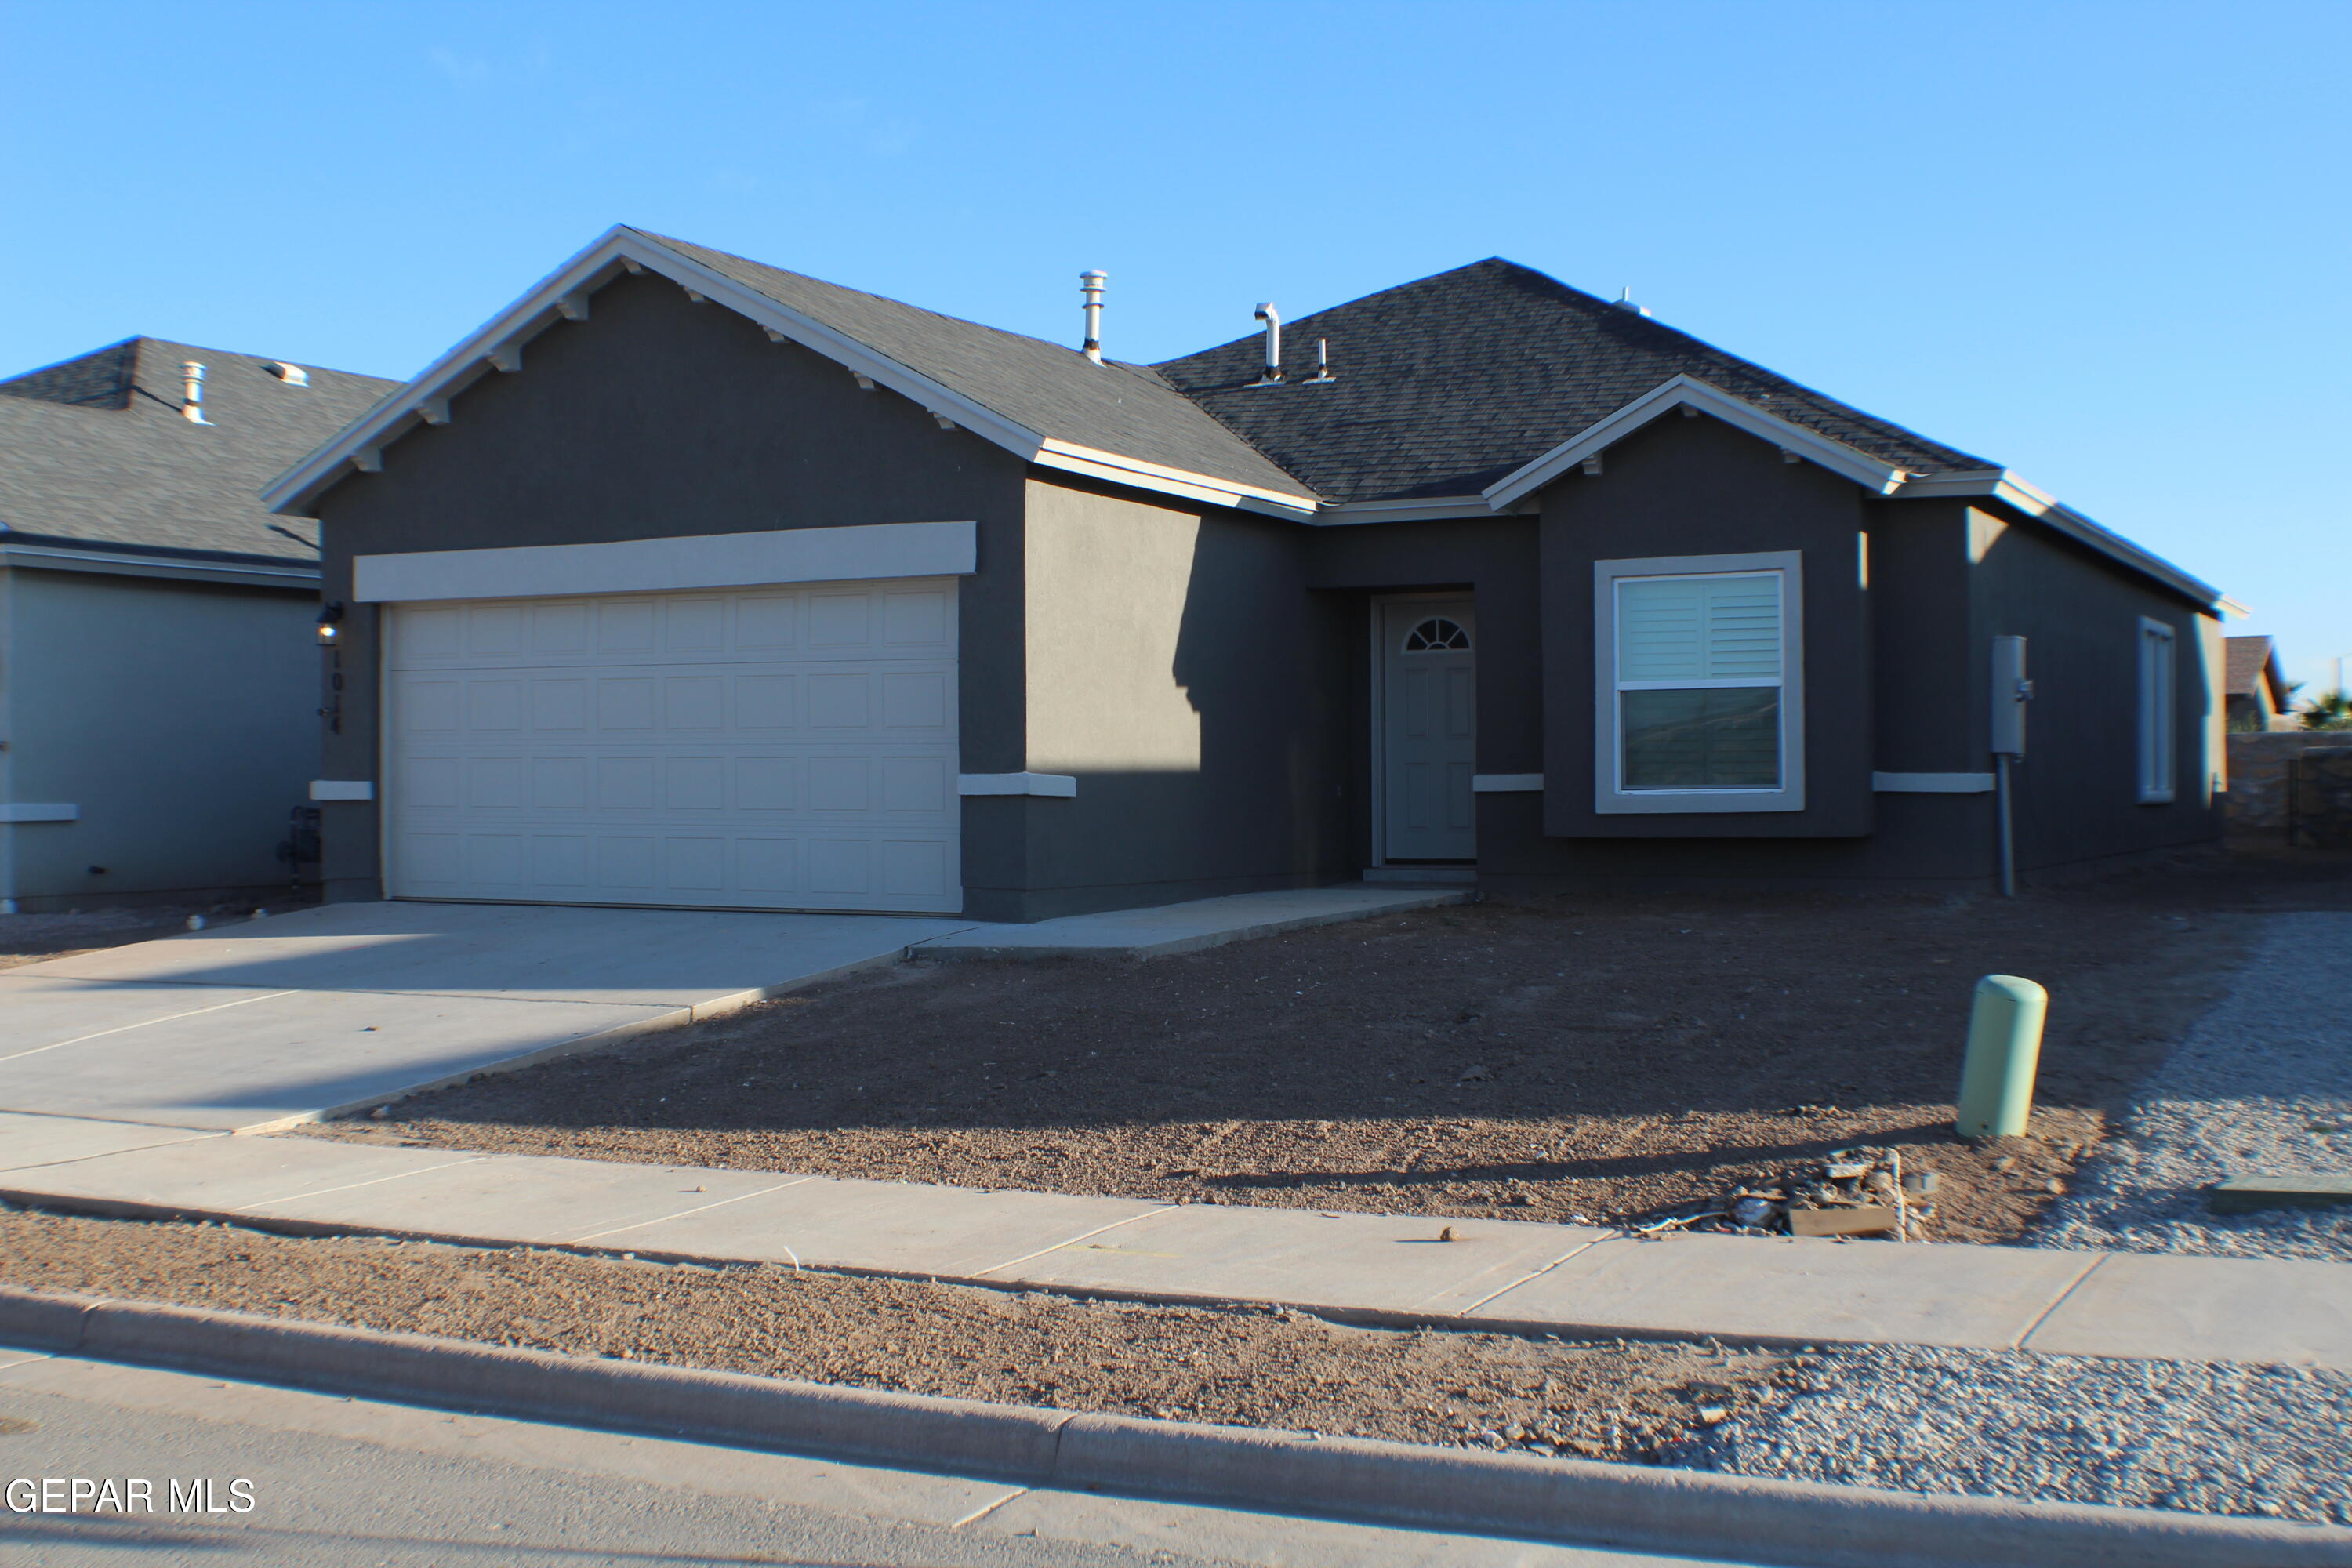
{"points": [[1207, 726], [2079, 791]]}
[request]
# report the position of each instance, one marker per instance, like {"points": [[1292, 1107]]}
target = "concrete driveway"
{"points": [[283, 1020]]}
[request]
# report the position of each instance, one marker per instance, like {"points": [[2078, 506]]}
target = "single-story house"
{"points": [[159, 673], [2257, 695], [691, 581]]}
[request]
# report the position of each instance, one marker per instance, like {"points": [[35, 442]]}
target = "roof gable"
{"points": [[1445, 385], [1044, 403]]}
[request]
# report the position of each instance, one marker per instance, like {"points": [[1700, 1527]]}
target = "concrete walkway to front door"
{"points": [[265, 1024]]}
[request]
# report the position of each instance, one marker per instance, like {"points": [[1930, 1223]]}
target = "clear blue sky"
{"points": [[2103, 244]]}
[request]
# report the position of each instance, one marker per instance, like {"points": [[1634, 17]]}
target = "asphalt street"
{"points": [[343, 1483]]}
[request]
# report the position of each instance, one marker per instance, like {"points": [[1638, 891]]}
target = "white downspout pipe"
{"points": [[1272, 376], [191, 393], [1090, 289]]}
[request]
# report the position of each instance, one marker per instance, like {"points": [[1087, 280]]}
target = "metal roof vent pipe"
{"points": [[1322, 376], [1272, 375], [1624, 302], [191, 393], [1090, 289]]}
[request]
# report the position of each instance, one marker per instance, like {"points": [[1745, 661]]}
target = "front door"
{"points": [[1429, 730]]}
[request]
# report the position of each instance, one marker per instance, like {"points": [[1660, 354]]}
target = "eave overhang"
{"points": [[1872, 474], [2005, 489]]}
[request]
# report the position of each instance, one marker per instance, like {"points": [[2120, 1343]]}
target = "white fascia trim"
{"points": [[342, 789], [1434, 508], [1096, 464], [1505, 784], [1685, 391], [1063, 785], [2000, 485], [1932, 783], [56, 558], [854, 552], [29, 811]]}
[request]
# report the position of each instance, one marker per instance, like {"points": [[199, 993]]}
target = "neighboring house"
{"points": [[2259, 696], [689, 581], [159, 673]]}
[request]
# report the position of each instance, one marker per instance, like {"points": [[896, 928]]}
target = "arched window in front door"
{"points": [[1437, 635]]}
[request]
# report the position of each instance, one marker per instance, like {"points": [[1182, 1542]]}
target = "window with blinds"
{"points": [[1698, 682]]}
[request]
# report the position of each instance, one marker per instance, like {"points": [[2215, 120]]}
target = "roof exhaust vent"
{"points": [[1090, 289], [1624, 302], [1322, 376], [292, 374], [1272, 376], [191, 393]]}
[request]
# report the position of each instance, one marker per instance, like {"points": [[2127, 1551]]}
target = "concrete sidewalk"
{"points": [[1526, 1278], [265, 1024]]}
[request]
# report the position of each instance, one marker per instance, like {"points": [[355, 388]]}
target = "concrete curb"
{"points": [[1168, 947], [1798, 1524]]}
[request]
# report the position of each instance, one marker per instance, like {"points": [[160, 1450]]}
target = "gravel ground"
{"points": [[2274, 1442], [2250, 1087], [2262, 1083]]}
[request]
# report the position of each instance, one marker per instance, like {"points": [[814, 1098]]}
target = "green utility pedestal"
{"points": [[2004, 1049]]}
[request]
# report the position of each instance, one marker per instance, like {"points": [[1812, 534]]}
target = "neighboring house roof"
{"points": [[1444, 386], [96, 456], [2252, 667], [1459, 394]]}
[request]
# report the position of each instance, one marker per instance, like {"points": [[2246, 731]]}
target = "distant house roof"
{"points": [[95, 452], [1444, 385], [2254, 665], [1460, 394]]}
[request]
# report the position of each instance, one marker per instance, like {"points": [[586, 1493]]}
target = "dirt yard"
{"points": [[1616, 1058], [1607, 1399]]}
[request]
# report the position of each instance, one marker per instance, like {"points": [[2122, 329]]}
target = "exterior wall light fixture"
{"points": [[330, 623]]}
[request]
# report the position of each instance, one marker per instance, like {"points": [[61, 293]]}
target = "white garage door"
{"points": [[789, 748]]}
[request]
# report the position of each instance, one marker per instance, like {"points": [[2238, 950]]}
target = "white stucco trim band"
{"points": [[31, 811], [342, 789], [1931, 783], [855, 553], [1505, 784], [1685, 391], [1061, 785]]}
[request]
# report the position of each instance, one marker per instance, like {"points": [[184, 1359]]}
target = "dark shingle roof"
{"points": [[1447, 385], [2253, 660], [94, 450], [1055, 391]]}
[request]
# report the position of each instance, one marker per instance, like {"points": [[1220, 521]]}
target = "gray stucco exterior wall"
{"points": [[661, 418], [177, 715]]}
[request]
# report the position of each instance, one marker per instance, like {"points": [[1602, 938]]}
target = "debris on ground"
{"points": [[1862, 1191]]}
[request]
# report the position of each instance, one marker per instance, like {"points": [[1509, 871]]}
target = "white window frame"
{"points": [[2159, 711], [1610, 796]]}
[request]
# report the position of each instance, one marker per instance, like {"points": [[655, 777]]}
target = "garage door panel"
{"points": [[777, 748]]}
